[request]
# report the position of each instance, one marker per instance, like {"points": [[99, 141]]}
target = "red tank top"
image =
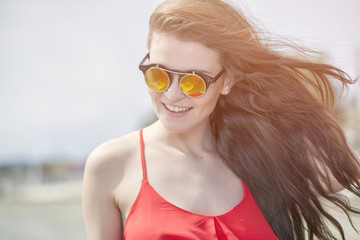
{"points": [[151, 217]]}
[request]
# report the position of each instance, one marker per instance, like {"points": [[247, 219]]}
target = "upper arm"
{"points": [[101, 214]]}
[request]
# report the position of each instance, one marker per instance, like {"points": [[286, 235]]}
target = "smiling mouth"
{"points": [[177, 109]]}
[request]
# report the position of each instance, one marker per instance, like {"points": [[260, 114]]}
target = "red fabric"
{"points": [[152, 217]]}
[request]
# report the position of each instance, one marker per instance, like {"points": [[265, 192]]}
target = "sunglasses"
{"points": [[192, 83]]}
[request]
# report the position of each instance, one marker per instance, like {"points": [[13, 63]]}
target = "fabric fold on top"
{"points": [[152, 217]]}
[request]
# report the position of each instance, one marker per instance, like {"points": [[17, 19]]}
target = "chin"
{"points": [[175, 127]]}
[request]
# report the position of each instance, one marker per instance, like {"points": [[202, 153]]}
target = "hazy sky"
{"points": [[69, 76]]}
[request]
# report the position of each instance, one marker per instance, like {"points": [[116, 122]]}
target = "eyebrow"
{"points": [[206, 72]]}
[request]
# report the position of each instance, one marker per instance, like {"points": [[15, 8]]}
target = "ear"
{"points": [[228, 84]]}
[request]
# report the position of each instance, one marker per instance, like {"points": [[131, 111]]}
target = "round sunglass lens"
{"points": [[192, 85], [157, 79]]}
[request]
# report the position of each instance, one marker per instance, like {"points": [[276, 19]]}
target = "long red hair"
{"points": [[276, 129]]}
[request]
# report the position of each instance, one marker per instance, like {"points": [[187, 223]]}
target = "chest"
{"points": [[205, 187], [152, 217]]}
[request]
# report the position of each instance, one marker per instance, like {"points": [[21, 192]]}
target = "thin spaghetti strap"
{"points": [[142, 154]]}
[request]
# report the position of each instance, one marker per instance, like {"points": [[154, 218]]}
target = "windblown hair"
{"points": [[276, 129]]}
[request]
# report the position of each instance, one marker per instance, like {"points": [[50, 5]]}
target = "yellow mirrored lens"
{"points": [[192, 85], [157, 79]]}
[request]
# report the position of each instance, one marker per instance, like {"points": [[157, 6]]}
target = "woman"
{"points": [[246, 145]]}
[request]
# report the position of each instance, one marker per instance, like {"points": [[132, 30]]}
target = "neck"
{"points": [[196, 140]]}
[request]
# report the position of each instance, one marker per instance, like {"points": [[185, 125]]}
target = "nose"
{"points": [[174, 92]]}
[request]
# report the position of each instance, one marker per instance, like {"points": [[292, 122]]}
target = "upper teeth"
{"points": [[176, 109]]}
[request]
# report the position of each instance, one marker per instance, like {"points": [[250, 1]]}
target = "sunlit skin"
{"points": [[179, 148], [276, 136], [174, 53]]}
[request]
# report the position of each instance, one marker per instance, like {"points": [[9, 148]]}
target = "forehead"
{"points": [[176, 53]]}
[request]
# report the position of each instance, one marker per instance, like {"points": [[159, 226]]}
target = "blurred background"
{"points": [[69, 81]]}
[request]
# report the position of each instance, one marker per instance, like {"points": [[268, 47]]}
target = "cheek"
{"points": [[214, 91], [155, 96], [208, 104]]}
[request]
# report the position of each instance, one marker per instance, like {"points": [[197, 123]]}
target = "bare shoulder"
{"points": [[113, 156], [104, 173]]}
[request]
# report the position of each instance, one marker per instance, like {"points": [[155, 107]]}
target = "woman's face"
{"points": [[176, 111]]}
